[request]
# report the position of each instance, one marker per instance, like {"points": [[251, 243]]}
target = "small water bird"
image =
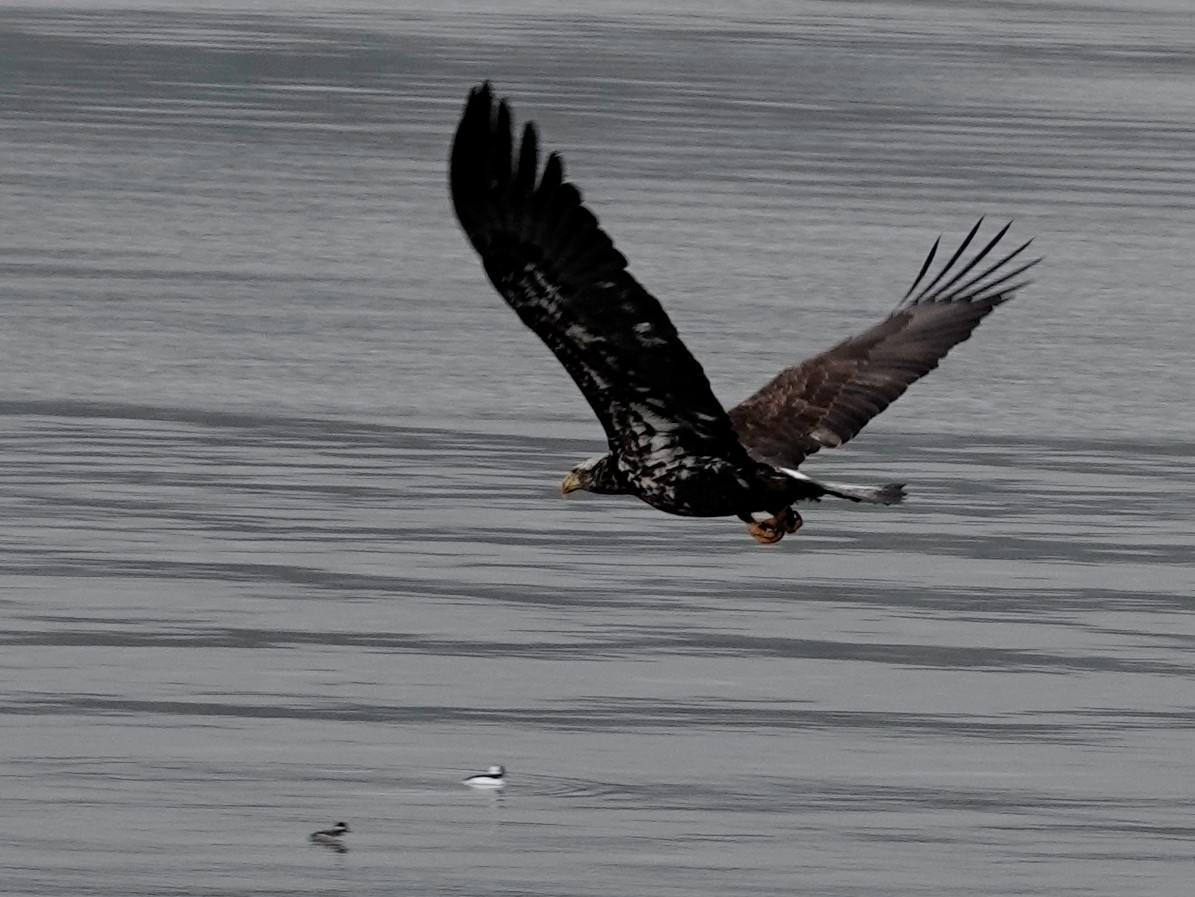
{"points": [[330, 836], [494, 777]]}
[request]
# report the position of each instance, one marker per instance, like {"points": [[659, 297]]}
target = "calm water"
{"points": [[280, 541]]}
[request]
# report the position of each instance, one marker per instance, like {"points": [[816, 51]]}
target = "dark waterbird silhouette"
{"points": [[330, 837]]}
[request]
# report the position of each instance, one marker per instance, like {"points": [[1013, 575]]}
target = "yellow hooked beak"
{"points": [[570, 483]]}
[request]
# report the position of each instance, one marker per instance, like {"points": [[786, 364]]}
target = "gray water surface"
{"points": [[280, 535]]}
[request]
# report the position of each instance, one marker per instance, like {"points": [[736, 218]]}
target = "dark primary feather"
{"points": [[827, 399], [550, 260]]}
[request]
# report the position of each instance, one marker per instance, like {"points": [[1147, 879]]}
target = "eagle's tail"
{"points": [[887, 494]]}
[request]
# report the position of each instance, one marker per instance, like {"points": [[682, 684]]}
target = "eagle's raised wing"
{"points": [[553, 264], [827, 399]]}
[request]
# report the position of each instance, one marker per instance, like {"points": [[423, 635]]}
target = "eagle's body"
{"points": [[670, 441], [693, 485]]}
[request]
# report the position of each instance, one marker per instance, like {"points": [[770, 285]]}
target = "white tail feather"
{"points": [[887, 494]]}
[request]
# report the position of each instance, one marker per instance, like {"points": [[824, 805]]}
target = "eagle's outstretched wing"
{"points": [[550, 260], [827, 399]]}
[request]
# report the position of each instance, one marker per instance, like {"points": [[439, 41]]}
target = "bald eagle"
{"points": [[670, 441]]}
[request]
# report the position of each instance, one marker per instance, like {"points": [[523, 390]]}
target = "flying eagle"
{"points": [[670, 441]]}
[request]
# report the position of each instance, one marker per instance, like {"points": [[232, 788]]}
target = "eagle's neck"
{"points": [[605, 477]]}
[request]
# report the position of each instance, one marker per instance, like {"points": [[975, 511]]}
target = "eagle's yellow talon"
{"points": [[774, 528], [766, 532]]}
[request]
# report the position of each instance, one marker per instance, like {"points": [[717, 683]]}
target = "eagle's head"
{"points": [[598, 474]]}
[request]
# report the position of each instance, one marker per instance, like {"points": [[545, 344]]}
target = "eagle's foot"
{"points": [[790, 519], [765, 532], [774, 528]]}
